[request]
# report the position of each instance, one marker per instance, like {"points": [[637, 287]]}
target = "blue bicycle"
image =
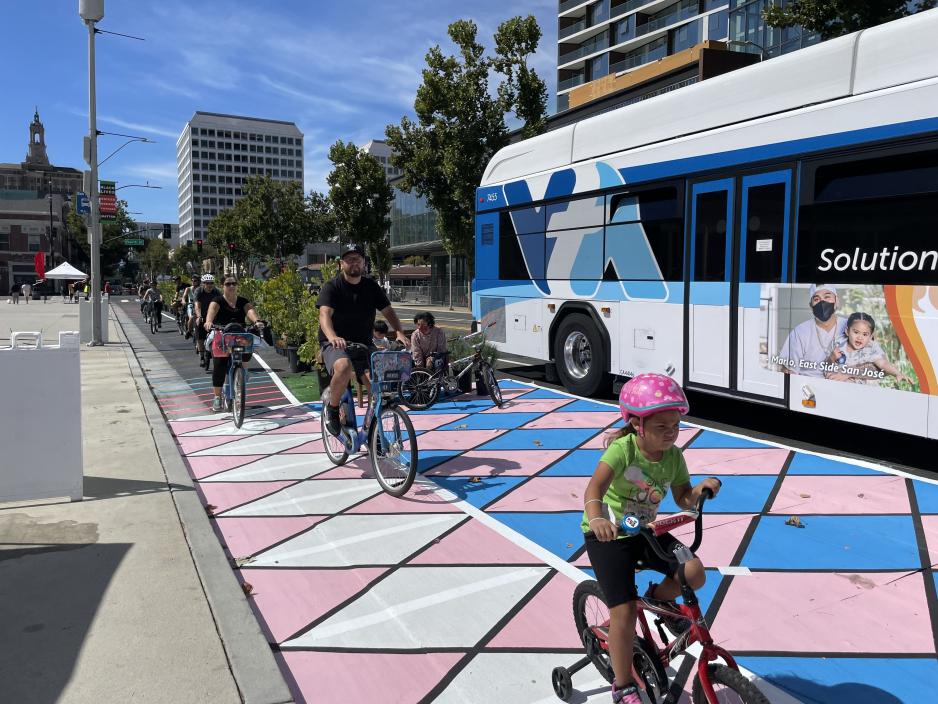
{"points": [[238, 345], [386, 431]]}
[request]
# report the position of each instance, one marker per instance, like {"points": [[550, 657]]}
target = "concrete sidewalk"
{"points": [[102, 600]]}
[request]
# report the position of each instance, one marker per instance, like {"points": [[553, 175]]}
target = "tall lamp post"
{"points": [[92, 11]]}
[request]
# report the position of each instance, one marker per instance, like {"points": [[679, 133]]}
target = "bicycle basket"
{"points": [[390, 368], [237, 339]]}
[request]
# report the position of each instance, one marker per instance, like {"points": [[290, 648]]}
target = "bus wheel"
{"points": [[579, 356]]}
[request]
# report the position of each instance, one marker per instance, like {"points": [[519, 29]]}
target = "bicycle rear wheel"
{"points": [[334, 446], [591, 613], [420, 391], [181, 323], [153, 323], [238, 396], [393, 451], [730, 686], [491, 383]]}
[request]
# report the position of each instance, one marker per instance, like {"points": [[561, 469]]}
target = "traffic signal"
{"points": [[167, 231], [198, 246], [231, 247]]}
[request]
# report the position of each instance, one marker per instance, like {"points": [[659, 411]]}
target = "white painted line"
{"points": [[276, 379], [735, 571], [542, 554]]}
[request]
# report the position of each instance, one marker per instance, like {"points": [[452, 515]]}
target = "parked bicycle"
{"points": [[422, 389], [386, 431], [714, 683]]}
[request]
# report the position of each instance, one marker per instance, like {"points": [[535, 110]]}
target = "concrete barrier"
{"points": [[40, 420]]}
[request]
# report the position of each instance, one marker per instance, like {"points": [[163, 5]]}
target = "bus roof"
{"points": [[888, 55]]}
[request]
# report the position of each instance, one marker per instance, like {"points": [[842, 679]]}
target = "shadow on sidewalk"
{"points": [[816, 692], [50, 595], [98, 488]]}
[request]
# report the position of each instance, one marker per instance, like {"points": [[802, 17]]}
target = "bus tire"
{"points": [[579, 356]]}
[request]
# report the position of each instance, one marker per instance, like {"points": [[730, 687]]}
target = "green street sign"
{"points": [[134, 242]]}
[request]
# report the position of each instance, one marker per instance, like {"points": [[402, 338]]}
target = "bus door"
{"points": [[708, 301], [761, 279]]}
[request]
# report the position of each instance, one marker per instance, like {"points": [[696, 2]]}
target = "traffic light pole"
{"points": [[94, 228]]}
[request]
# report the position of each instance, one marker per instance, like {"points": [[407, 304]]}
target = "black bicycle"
{"points": [[422, 389]]}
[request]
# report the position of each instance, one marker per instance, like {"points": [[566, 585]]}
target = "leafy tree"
{"points": [[415, 260], [155, 258], [113, 232], [273, 219], [833, 18], [323, 225], [187, 260], [460, 125], [361, 200]]}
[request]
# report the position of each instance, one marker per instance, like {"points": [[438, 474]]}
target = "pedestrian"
{"points": [[87, 290], [15, 293], [71, 291], [107, 288], [27, 290]]}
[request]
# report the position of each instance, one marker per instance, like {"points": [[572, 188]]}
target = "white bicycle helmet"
{"points": [[208, 279]]}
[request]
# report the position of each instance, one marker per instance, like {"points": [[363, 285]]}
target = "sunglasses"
{"points": [[231, 283]]}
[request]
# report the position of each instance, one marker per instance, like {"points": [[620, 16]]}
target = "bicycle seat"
{"points": [[233, 327], [440, 355]]}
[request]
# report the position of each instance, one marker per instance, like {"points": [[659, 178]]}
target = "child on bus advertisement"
{"points": [[850, 337], [859, 357]]}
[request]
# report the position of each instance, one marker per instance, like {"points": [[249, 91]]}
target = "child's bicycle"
{"points": [[715, 682], [386, 431], [422, 389]]}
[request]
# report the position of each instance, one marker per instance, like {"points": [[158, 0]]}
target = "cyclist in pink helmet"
{"points": [[640, 464]]}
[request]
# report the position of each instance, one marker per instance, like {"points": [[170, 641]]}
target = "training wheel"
{"points": [[563, 686]]}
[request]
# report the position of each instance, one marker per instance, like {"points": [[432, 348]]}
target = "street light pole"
{"points": [[92, 11]]}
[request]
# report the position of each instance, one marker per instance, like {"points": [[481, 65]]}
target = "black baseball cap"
{"points": [[353, 248]]}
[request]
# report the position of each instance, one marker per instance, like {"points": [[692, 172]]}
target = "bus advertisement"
{"points": [[778, 245]]}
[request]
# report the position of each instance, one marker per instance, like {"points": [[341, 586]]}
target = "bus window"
{"points": [[645, 235], [765, 225], [576, 213], [524, 221], [575, 254], [710, 250], [896, 174]]}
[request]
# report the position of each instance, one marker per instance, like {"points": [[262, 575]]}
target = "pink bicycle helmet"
{"points": [[646, 394]]}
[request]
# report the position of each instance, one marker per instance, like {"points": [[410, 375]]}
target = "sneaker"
{"points": [[216, 404], [333, 423], [626, 695], [677, 624]]}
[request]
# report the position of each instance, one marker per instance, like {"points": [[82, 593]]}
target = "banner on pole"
{"points": [[107, 200]]}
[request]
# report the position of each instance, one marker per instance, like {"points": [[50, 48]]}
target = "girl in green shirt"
{"points": [[634, 475]]}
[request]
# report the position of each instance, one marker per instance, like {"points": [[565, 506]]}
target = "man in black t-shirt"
{"points": [[347, 306], [203, 297]]}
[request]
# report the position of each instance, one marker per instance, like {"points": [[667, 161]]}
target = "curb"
{"points": [[250, 657]]}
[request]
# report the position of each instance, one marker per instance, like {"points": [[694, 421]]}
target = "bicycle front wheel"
{"points": [[334, 446], [238, 396], [420, 391], [181, 324], [491, 383], [730, 686], [393, 451], [153, 323]]}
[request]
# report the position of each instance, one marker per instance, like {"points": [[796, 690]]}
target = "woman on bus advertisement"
{"points": [[857, 334]]}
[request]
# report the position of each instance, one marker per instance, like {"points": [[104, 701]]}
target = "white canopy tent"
{"points": [[65, 271]]}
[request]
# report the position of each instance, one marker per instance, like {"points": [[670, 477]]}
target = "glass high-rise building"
{"points": [[600, 38]]}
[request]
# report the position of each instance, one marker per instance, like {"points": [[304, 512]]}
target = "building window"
{"points": [[598, 67], [718, 25], [685, 37], [35, 243], [4, 240]]}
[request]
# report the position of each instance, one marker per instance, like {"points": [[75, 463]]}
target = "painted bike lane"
{"points": [[461, 591]]}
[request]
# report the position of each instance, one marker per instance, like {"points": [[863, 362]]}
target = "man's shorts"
{"points": [[330, 354], [614, 563]]}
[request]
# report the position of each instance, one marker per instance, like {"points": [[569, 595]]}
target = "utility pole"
{"points": [[92, 11]]}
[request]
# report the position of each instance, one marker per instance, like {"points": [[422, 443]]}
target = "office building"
{"points": [[216, 154], [380, 150], [747, 28]]}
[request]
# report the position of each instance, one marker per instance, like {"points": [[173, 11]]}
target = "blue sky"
{"points": [[340, 70]]}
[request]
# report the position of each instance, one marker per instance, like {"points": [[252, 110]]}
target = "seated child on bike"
{"points": [[379, 335], [426, 340], [633, 476]]}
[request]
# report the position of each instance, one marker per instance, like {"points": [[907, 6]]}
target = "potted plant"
{"points": [[283, 297]]}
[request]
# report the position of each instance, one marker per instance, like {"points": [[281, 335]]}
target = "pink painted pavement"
{"points": [[521, 405], [224, 496], [842, 494], [722, 536], [190, 445], [181, 427], [529, 628], [488, 463], [250, 535], [456, 439], [580, 419], [474, 543], [545, 494], [825, 612], [749, 460], [287, 600], [202, 467], [418, 499]]}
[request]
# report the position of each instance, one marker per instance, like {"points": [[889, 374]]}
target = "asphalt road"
{"points": [[181, 356]]}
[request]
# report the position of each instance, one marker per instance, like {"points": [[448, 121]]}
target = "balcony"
{"points": [[573, 28], [584, 50], [571, 82], [567, 4]]}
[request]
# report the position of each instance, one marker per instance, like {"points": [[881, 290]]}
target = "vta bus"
{"points": [[769, 234]]}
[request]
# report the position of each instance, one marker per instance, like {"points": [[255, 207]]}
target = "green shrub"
{"points": [[253, 290], [283, 297], [309, 316]]}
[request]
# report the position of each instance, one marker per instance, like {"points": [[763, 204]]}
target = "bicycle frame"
{"points": [[353, 435]]}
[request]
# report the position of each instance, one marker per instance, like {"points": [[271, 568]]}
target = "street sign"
{"points": [[134, 242], [107, 200], [82, 204]]}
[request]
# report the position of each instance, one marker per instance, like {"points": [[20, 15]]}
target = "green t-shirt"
{"points": [[639, 485]]}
